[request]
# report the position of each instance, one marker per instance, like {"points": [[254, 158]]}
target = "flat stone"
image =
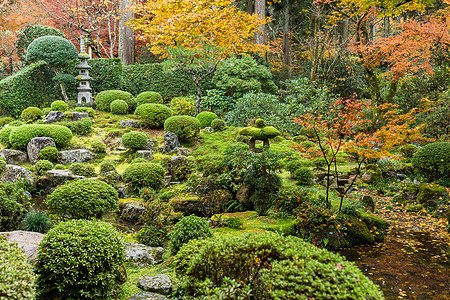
{"points": [[147, 296], [183, 152], [77, 116], [58, 177], [160, 284], [54, 116], [129, 123], [13, 173], [147, 154], [73, 156], [142, 255], [132, 212], [36, 145], [13, 157], [121, 148], [27, 240]]}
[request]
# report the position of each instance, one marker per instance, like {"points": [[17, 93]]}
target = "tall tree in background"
{"points": [[126, 34]]}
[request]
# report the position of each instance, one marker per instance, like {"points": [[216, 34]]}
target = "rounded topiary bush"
{"points": [[16, 274], [185, 127], [49, 153], [5, 120], [59, 105], [54, 50], [149, 97], [205, 118], [119, 107], [98, 147], [82, 169], [408, 151], [107, 166], [144, 174], [14, 205], [79, 259], [153, 115], [135, 140], [2, 164], [103, 99], [218, 124], [433, 161], [304, 176], [88, 110], [22, 135], [275, 267], [82, 199], [188, 228], [42, 166], [30, 114], [5, 133]]}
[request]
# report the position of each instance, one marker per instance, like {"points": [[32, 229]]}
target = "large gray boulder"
{"points": [[54, 116], [73, 156], [142, 255], [152, 144], [13, 173], [132, 212], [37, 144], [77, 116], [13, 157], [160, 284], [59, 177], [27, 240], [171, 142], [146, 154], [147, 296], [129, 123]]}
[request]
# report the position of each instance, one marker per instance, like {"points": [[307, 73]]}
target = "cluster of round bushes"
{"points": [[153, 115], [14, 204], [144, 175], [30, 114], [433, 161], [205, 118], [135, 140], [82, 199], [118, 107], [104, 99], [149, 97], [80, 259], [185, 127], [59, 105]]}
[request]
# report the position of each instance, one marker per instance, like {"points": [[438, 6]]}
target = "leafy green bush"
{"points": [[304, 176], [188, 228], [42, 166], [106, 74], [88, 110], [5, 120], [433, 160], [216, 101], [144, 174], [153, 115], [103, 99], [55, 50], [79, 259], [82, 199], [408, 151], [31, 114], [135, 140], [17, 275], [14, 204], [138, 160], [98, 146], [273, 267], [149, 97], [59, 105], [22, 135], [36, 221], [107, 166], [49, 153], [118, 107], [185, 127], [83, 169], [82, 127], [59, 167], [30, 33], [218, 124], [183, 106], [206, 118], [2, 164]]}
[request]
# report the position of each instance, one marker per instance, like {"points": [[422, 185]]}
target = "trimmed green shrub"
{"points": [[59, 167], [14, 204], [138, 160], [107, 166], [106, 74], [5, 120], [5, 132], [49, 153], [31, 114], [79, 259], [118, 107], [2, 164], [55, 50], [82, 127], [30, 33], [185, 127], [144, 174], [42, 166], [433, 161], [82, 199], [304, 176], [103, 99], [205, 118], [88, 110], [153, 115], [59, 105], [135, 140], [82, 169], [272, 266], [188, 228], [68, 115], [149, 97], [17, 277], [37, 221], [98, 146], [22, 135], [183, 106], [408, 151], [45, 111], [218, 124]]}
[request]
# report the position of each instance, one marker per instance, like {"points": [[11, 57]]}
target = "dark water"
{"points": [[408, 265]]}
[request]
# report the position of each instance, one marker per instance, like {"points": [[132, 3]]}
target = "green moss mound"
{"points": [[272, 266], [14, 204], [42, 166], [149, 97], [153, 115], [5, 132], [59, 105], [17, 277], [83, 169], [135, 140], [83, 199], [22, 135], [118, 107], [79, 259], [433, 161], [185, 127], [31, 114], [103, 99], [144, 174], [268, 132], [205, 118], [49, 153], [218, 125]]}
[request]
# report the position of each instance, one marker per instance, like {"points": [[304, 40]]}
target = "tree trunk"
{"points": [[126, 35], [286, 38], [250, 6], [260, 10]]}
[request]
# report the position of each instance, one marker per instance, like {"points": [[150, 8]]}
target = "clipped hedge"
{"points": [[218, 124], [433, 161], [135, 140], [82, 127], [185, 127], [49, 153], [5, 132], [42, 166], [83, 169], [16, 274], [103, 99], [106, 74], [22, 135], [148, 97], [144, 175], [83, 199], [153, 115], [188, 228], [80, 259]]}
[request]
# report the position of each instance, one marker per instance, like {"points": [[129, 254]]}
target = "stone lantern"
{"points": [[84, 89]]}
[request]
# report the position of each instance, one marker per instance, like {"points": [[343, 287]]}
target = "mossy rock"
{"points": [[430, 195], [267, 132], [374, 221], [187, 204], [408, 194], [357, 231], [374, 172]]}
